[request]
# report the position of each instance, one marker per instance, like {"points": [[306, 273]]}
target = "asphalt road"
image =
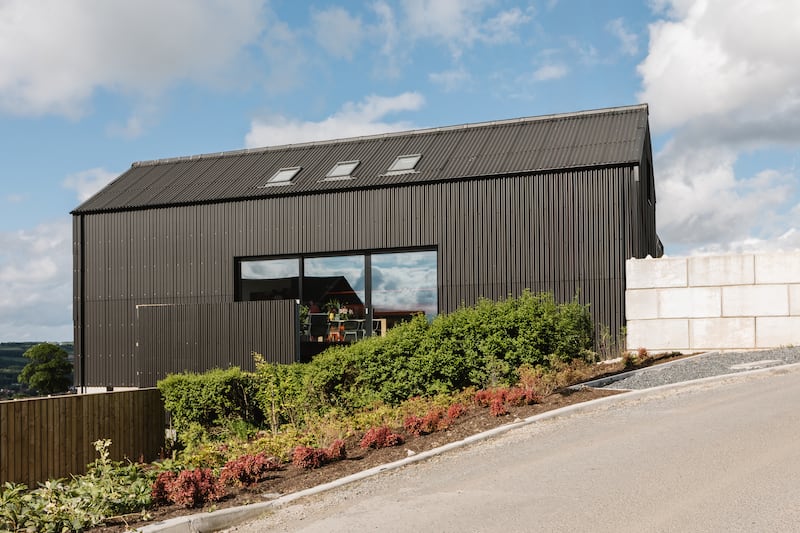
{"points": [[718, 456]]}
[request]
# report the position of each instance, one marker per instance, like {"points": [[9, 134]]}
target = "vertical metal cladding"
{"points": [[159, 293]]}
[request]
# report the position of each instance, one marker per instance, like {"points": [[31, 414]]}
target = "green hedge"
{"points": [[211, 399], [480, 346]]}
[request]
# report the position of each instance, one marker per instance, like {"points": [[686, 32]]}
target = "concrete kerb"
{"points": [[226, 518]]}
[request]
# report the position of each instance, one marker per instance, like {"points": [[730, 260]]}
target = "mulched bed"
{"points": [[293, 479]]}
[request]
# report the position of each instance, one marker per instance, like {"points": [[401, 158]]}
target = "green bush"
{"points": [[478, 346], [211, 398]]}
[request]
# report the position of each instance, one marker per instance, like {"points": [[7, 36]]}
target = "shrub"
{"points": [[281, 393], [160, 491], [498, 407], [456, 410], [308, 457], [434, 420], [189, 488], [211, 398], [381, 437], [516, 397], [248, 469]]}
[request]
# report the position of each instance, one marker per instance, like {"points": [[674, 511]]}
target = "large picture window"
{"points": [[346, 297]]}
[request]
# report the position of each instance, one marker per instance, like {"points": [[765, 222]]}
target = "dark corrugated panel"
{"points": [[584, 139], [197, 337]]}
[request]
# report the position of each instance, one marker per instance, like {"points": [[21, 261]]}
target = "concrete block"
{"points": [[721, 270], [794, 300], [777, 268], [654, 273], [755, 300], [772, 332], [641, 304], [722, 333], [692, 302], [658, 335]]}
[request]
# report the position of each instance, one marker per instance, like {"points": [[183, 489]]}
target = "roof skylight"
{"points": [[343, 170], [404, 163], [283, 176]]}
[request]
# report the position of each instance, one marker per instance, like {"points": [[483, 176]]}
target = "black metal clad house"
{"points": [[196, 262]]}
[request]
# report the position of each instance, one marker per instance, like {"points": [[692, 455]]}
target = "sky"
{"points": [[87, 87]]}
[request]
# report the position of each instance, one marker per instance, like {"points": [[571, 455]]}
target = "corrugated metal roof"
{"points": [[532, 144]]}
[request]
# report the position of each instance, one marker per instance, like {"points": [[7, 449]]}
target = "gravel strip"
{"points": [[703, 366]]}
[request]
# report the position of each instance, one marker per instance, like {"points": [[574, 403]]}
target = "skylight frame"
{"points": [[342, 170], [283, 176], [404, 164]]}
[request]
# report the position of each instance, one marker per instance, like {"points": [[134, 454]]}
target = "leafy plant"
{"points": [[248, 469], [189, 488], [380, 437], [210, 398], [308, 457], [108, 489], [434, 420], [456, 410]]}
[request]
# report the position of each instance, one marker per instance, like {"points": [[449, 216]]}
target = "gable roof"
{"points": [[532, 144]]}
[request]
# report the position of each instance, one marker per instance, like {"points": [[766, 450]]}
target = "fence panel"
{"points": [[46, 438]]}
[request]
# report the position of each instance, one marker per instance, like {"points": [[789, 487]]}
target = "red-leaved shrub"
{"points": [[189, 488], [248, 469], [308, 457], [336, 451], [456, 410], [498, 407], [160, 489], [381, 437], [497, 399], [518, 396], [434, 420]]}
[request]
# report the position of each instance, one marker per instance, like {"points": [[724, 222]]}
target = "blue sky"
{"points": [[88, 87]]}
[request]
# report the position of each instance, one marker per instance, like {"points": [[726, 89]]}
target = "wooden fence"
{"points": [[46, 438]]}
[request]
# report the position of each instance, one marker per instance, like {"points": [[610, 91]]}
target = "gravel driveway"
{"points": [[700, 366]]}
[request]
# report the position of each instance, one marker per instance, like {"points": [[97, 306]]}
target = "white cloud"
{"points": [[451, 80], [550, 71], [629, 42], [337, 32], [55, 54], [702, 203], [721, 79], [88, 182], [504, 26], [354, 119], [723, 57], [36, 283], [390, 35], [459, 24]]}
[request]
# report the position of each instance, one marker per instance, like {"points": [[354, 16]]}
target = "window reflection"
{"points": [[403, 285], [269, 279], [334, 285]]}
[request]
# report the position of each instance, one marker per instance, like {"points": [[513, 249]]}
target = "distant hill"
{"points": [[12, 362]]}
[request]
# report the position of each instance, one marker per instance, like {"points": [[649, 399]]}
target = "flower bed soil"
{"points": [[293, 479]]}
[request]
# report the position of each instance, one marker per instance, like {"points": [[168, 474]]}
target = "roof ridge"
{"points": [[386, 135]]}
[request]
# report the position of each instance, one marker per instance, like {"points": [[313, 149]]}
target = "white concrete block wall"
{"points": [[730, 302]]}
